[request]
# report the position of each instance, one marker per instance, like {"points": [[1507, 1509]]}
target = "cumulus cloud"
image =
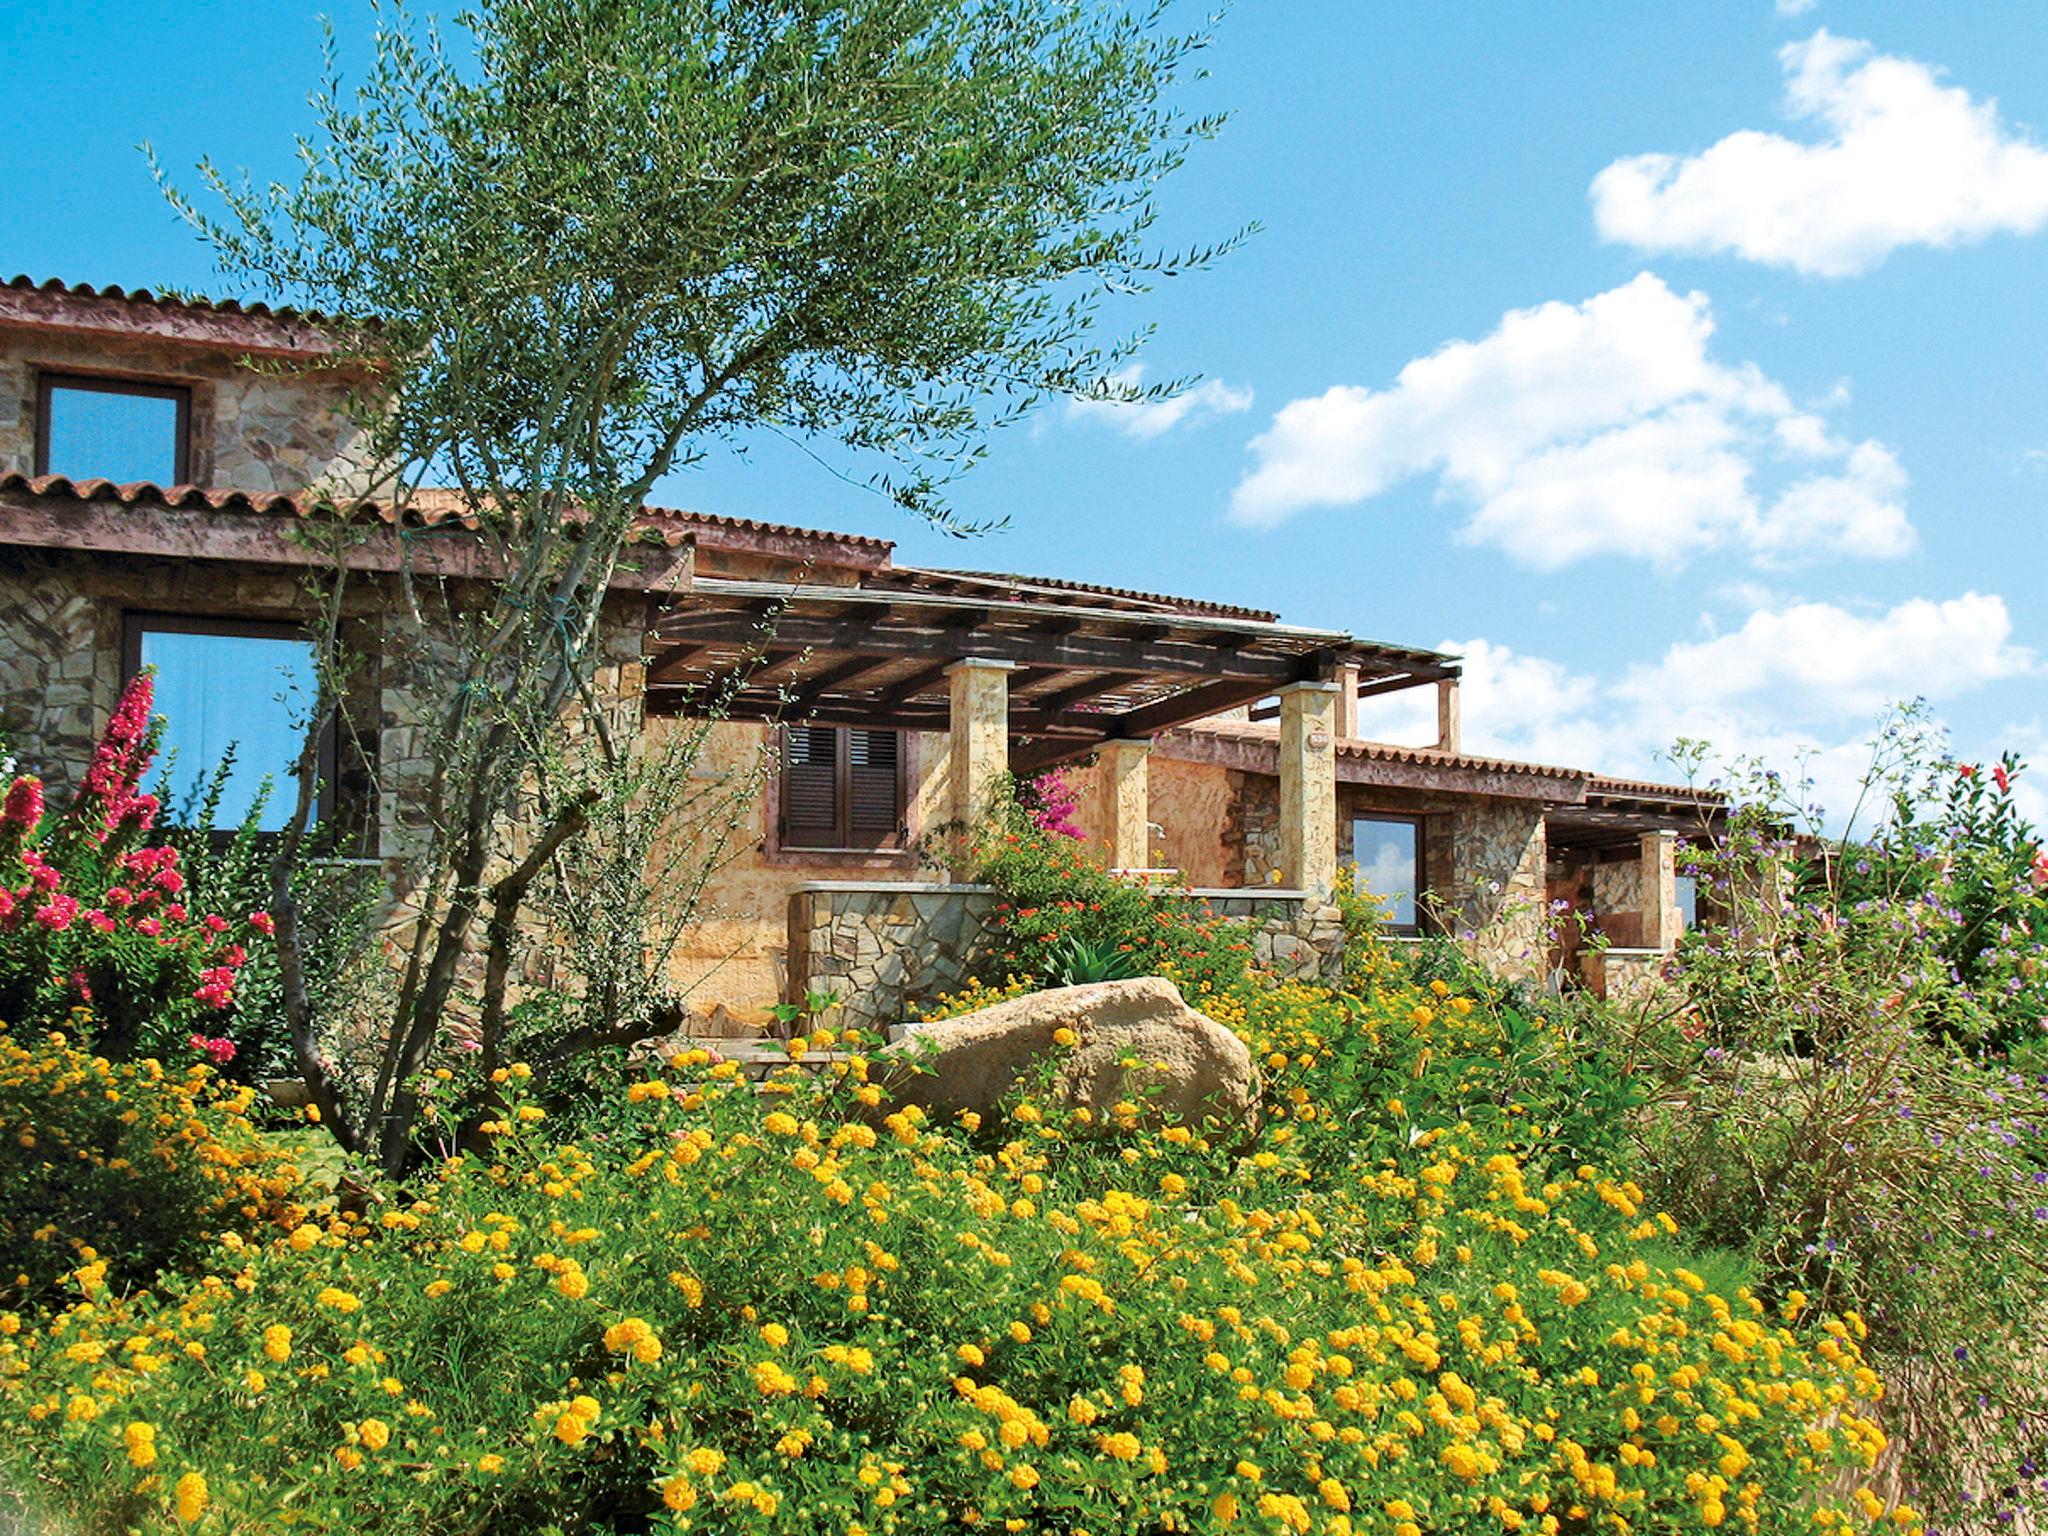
{"points": [[1802, 682], [1898, 158], [1598, 428], [1147, 419], [1829, 660]]}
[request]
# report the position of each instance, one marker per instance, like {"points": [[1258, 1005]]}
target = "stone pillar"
{"points": [[980, 752], [1347, 703], [1308, 788], [1449, 726], [1660, 890], [1127, 791]]}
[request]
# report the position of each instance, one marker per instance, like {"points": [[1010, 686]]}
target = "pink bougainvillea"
{"points": [[1051, 802], [92, 918]]}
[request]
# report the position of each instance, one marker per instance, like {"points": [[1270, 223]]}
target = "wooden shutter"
{"points": [[841, 787], [873, 777], [810, 787]]}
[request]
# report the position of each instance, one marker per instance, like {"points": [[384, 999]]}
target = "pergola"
{"points": [[1024, 675]]}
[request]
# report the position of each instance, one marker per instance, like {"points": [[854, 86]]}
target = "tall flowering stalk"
{"points": [[95, 929]]}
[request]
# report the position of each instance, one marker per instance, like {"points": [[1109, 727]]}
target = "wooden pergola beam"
{"points": [[1078, 693], [1072, 653], [846, 673]]}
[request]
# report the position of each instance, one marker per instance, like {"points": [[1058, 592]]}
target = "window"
{"points": [[1687, 888], [112, 429], [842, 788], [223, 687], [1386, 854]]}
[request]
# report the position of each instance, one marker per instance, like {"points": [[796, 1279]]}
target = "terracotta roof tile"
{"points": [[426, 508], [23, 283]]}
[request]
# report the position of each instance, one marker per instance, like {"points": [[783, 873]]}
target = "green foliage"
{"points": [[124, 1165], [1061, 914], [718, 1307], [1076, 961], [1828, 1102], [100, 925], [565, 249]]}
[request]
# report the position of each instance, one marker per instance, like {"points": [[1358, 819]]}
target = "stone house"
{"points": [[157, 458]]}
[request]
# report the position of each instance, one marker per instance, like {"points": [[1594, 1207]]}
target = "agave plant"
{"points": [[1077, 961]]}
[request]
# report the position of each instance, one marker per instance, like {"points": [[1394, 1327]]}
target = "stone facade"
{"points": [[1497, 899], [252, 428], [884, 947], [880, 948]]}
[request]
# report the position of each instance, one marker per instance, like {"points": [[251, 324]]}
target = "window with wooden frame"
{"points": [[122, 430], [235, 692], [1386, 855], [842, 789]]}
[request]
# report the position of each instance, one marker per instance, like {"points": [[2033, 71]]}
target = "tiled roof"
{"points": [[1043, 585], [1388, 752], [23, 283], [1622, 789], [426, 508]]}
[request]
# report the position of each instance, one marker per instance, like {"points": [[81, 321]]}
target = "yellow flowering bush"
{"points": [[723, 1307], [130, 1165]]}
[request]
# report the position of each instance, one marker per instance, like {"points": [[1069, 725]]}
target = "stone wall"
{"points": [[256, 429], [1497, 898], [883, 947], [1618, 887], [1628, 976], [734, 962]]}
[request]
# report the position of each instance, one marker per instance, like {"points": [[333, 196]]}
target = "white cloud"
{"points": [[1829, 661], [1578, 430], [1900, 159], [1796, 7], [1147, 419], [1796, 682]]}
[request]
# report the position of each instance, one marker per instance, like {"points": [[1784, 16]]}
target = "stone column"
{"points": [[980, 754], [1660, 890], [1347, 703], [1127, 791], [1450, 728], [1308, 788]]}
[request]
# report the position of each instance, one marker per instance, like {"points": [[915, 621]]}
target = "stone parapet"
{"points": [[881, 947]]}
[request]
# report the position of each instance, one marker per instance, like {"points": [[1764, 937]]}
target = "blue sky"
{"points": [[1742, 442]]}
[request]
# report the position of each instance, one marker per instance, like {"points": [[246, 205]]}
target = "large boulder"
{"points": [[1135, 1042]]}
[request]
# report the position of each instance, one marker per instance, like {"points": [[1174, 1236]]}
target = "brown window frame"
{"points": [[842, 794], [135, 624], [106, 384], [1421, 826]]}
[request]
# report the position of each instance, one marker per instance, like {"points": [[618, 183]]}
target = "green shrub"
{"points": [[99, 915], [721, 1309], [1829, 1104], [126, 1166], [1058, 904]]}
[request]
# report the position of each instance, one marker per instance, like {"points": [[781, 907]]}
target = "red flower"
{"points": [[23, 806], [57, 913], [2002, 779], [1967, 771], [262, 922]]}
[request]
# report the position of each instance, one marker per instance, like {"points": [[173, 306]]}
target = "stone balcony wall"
{"points": [[883, 947]]}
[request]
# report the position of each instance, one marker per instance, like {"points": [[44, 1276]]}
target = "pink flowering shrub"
{"points": [[1051, 802], [95, 926]]}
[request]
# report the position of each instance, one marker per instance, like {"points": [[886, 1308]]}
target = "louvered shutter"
{"points": [[874, 809], [810, 784]]}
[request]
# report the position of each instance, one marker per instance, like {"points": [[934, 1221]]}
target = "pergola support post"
{"points": [[980, 756], [1308, 787], [1659, 854], [1450, 729], [1127, 784]]}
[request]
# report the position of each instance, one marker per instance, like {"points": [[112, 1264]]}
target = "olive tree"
{"points": [[580, 244]]}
